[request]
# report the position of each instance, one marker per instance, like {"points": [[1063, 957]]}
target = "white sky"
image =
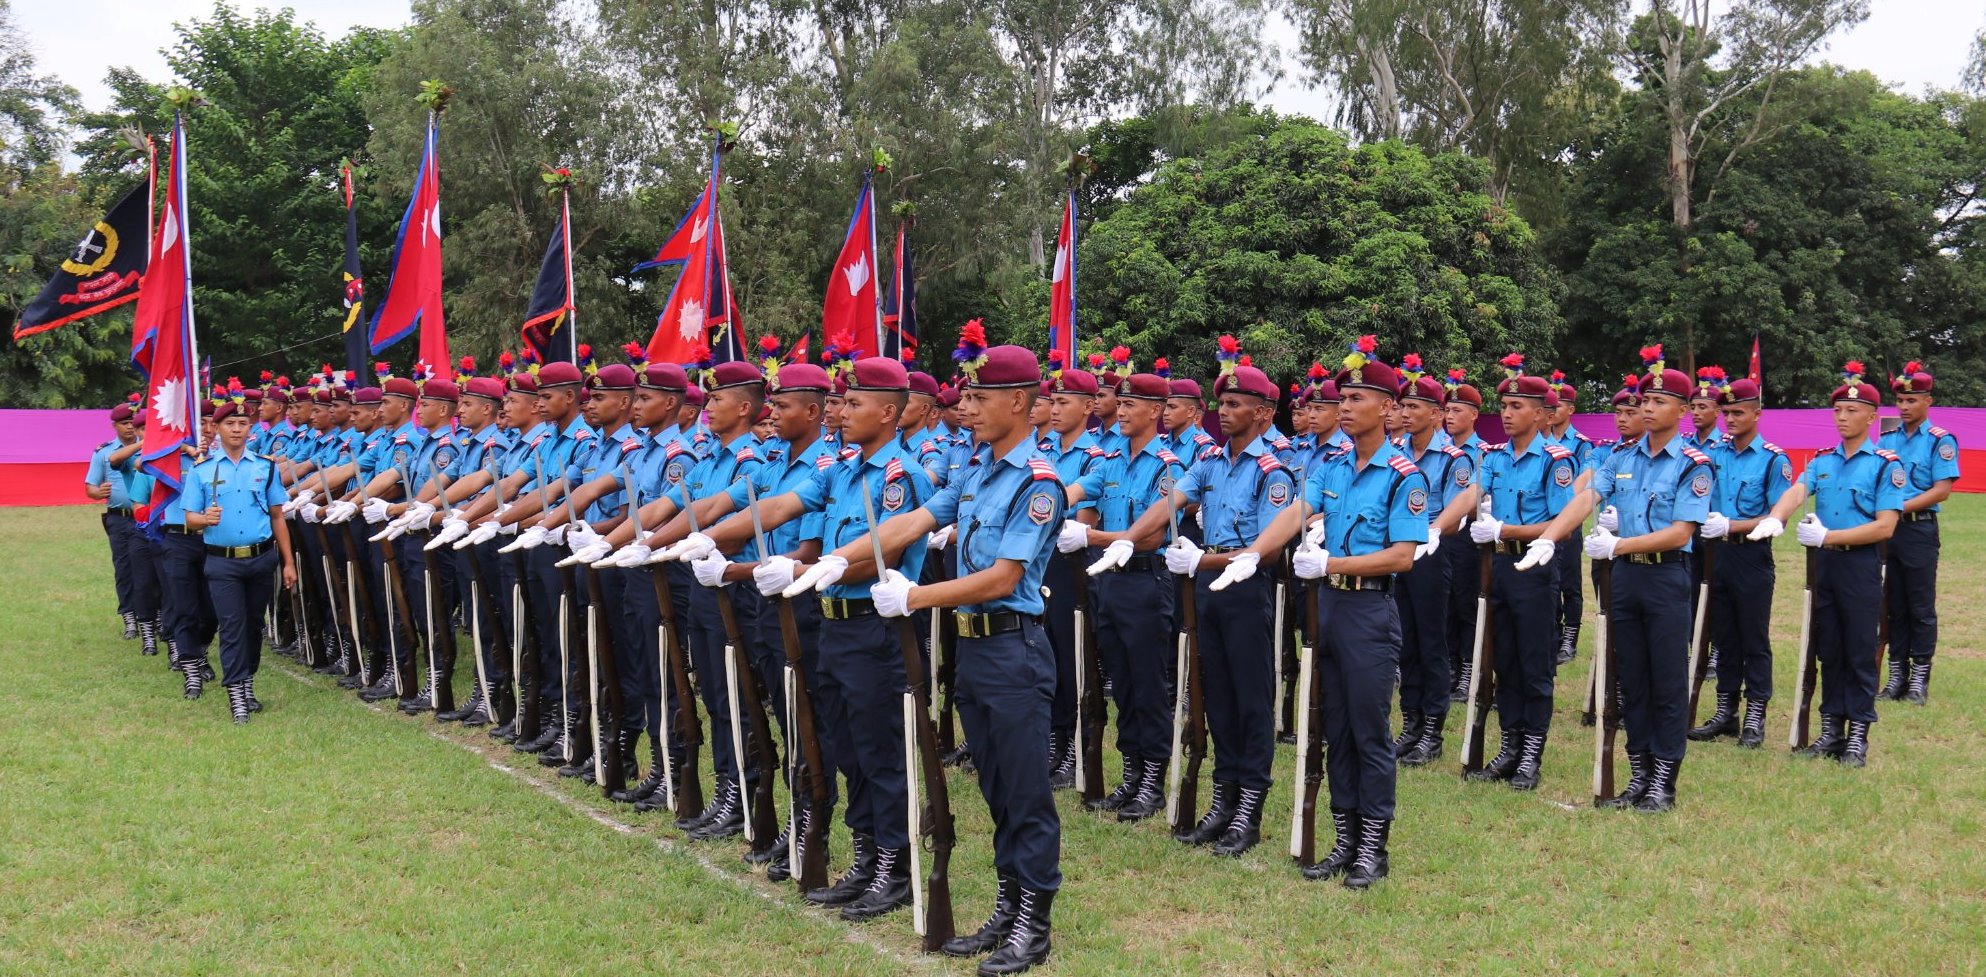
{"points": [[1914, 44]]}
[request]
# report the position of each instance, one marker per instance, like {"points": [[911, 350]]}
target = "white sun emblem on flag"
{"points": [[690, 323], [170, 403], [697, 230], [857, 274], [171, 225], [1061, 262]]}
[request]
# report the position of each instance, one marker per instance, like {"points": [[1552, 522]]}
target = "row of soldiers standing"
{"points": [[606, 535]]}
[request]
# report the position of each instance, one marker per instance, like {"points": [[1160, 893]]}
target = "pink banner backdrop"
{"points": [[44, 454]]}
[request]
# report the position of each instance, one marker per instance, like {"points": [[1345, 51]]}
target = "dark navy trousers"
{"points": [[1061, 619], [1847, 597], [1423, 606], [241, 590], [1912, 591], [858, 696], [187, 607], [1522, 608], [1649, 628], [1006, 687], [1237, 667], [1135, 640], [1358, 649], [1741, 618]]}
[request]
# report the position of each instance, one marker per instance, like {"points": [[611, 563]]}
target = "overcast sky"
{"points": [[1914, 44]]}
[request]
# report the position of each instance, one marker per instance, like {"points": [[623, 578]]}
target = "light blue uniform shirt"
{"points": [[833, 496], [1449, 470], [1529, 487], [101, 472], [783, 471], [1080, 462], [1930, 455], [1239, 493], [1007, 507], [1849, 490], [1368, 507], [245, 490], [713, 474], [1749, 481], [1655, 491], [604, 456], [1137, 482]]}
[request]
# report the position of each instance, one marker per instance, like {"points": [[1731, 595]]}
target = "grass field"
{"points": [[147, 835]]}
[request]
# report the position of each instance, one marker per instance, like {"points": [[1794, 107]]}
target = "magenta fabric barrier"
{"points": [[1790, 428], [46, 436]]}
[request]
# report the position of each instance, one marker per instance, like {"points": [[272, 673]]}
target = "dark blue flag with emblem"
{"points": [[900, 302], [548, 321], [356, 351], [100, 273]]}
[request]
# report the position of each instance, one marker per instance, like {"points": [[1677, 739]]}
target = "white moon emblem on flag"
{"points": [[690, 324], [1061, 262], [170, 403], [697, 230], [171, 230], [857, 275], [434, 222]]}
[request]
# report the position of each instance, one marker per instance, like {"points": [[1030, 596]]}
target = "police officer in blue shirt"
{"points": [[1658, 493], [1375, 506], [1424, 591], [1752, 474], [1571, 599], [107, 480], [234, 499], [1527, 481], [1134, 596], [1859, 491], [1239, 489], [1458, 422], [1930, 458], [1008, 507], [1078, 461], [431, 602], [480, 440]]}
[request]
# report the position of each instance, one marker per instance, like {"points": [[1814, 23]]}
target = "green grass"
{"points": [[147, 835]]}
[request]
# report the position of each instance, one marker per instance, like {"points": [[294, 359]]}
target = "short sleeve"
{"points": [[944, 504], [1558, 491], [1033, 522], [99, 467], [813, 490], [1944, 458], [1778, 478], [1892, 486], [1194, 486], [1693, 495], [273, 493], [1278, 491], [194, 496], [1406, 517]]}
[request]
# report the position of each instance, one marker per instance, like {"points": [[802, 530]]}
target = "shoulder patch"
{"points": [[1040, 508], [1948, 449], [1042, 470], [1700, 485], [1897, 476]]}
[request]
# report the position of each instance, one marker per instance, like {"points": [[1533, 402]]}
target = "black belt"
{"points": [[118, 510], [1656, 559], [1735, 540], [1510, 547], [248, 552], [180, 530], [1221, 549], [1920, 516], [847, 608], [988, 625], [1346, 581], [1138, 563], [1839, 548]]}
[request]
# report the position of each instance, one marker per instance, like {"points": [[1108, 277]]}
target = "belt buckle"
{"points": [[969, 625]]}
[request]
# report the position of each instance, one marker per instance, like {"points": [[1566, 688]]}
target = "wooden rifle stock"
{"points": [[1482, 660], [1607, 721], [761, 826], [608, 704], [1699, 645], [688, 726], [936, 816], [1091, 718], [812, 871], [1189, 747], [1309, 733], [1805, 669]]}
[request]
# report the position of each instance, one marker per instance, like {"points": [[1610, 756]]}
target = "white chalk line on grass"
{"points": [[710, 867]]}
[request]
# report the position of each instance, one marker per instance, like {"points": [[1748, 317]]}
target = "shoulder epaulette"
{"points": [[1203, 438], [746, 454], [399, 439], [1403, 466], [1093, 451], [1042, 470], [1212, 451], [1452, 451], [1269, 463], [1888, 455], [850, 452], [825, 460], [1938, 432], [539, 439], [1558, 452], [1581, 435], [928, 446], [892, 470], [1695, 455], [1168, 457], [106, 444], [1499, 446], [1769, 446], [1281, 444], [630, 446], [582, 434]]}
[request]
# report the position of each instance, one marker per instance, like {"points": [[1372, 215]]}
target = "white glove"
{"points": [[1074, 536], [1716, 526], [1427, 549], [774, 574], [375, 510], [1485, 529], [303, 496], [338, 512], [1310, 562], [940, 539], [1767, 528], [1810, 532], [892, 594], [477, 534], [1115, 555], [1183, 557], [452, 529], [530, 538], [392, 531], [1239, 568], [1600, 545], [1313, 534], [1609, 519], [710, 569], [819, 576], [1537, 554], [310, 511], [556, 535], [1200, 517], [587, 553], [419, 514], [629, 556], [497, 517], [578, 534], [689, 549]]}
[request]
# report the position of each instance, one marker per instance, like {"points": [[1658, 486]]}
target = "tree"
{"points": [[34, 108], [1298, 243]]}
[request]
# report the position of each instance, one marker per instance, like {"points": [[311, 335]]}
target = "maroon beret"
{"points": [[1374, 376], [948, 396], [664, 376], [1628, 396], [320, 396], [253, 395], [439, 389], [1739, 391], [878, 373], [1145, 386], [1674, 383], [121, 413], [1047, 388], [1076, 382], [1248, 380], [923, 383], [1913, 380], [277, 395], [1006, 367], [1858, 392], [229, 408], [1429, 389], [840, 385], [343, 394], [486, 387], [402, 387], [1468, 394], [693, 395], [800, 378], [367, 396], [1183, 388], [735, 373], [1325, 392], [558, 375], [613, 376], [523, 383], [1536, 388]]}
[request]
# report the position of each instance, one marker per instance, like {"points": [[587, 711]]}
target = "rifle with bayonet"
{"points": [[808, 775], [747, 702], [1090, 715], [1309, 721], [930, 899], [358, 595], [524, 645], [1189, 708], [399, 614], [568, 625], [1482, 659], [1699, 644], [441, 631], [1805, 667], [335, 583], [479, 591], [1605, 677], [607, 705], [685, 791]]}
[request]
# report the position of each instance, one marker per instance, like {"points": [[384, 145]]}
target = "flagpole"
{"points": [[1072, 273], [194, 391], [151, 189], [869, 191], [710, 235], [571, 297]]}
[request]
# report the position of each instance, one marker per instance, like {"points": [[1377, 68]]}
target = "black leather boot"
{"points": [[888, 889], [1245, 831], [1829, 743], [1504, 764], [1027, 943], [238, 703], [172, 654], [1062, 775], [1899, 680], [727, 820], [1126, 788], [1525, 777], [195, 682], [692, 820], [248, 688], [1661, 794], [1410, 733], [1370, 865], [551, 719], [1723, 722], [775, 852], [1642, 765], [1918, 691], [1752, 734], [579, 735], [1149, 797], [1568, 644], [1343, 850], [959, 757], [148, 638], [651, 784], [379, 691], [467, 708], [130, 625], [1214, 823], [855, 881], [1460, 692], [1855, 750], [1006, 905], [1427, 749]]}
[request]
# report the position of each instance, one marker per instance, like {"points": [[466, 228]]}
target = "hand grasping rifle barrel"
{"points": [[1189, 711], [1482, 658], [810, 779], [748, 718]]}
